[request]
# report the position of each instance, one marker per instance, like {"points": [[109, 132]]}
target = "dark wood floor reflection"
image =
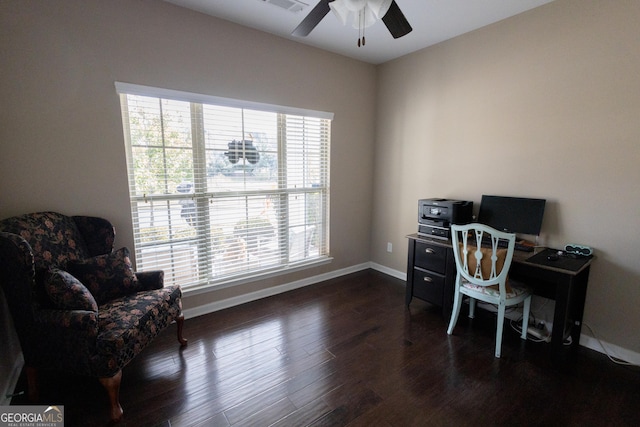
{"points": [[348, 352]]}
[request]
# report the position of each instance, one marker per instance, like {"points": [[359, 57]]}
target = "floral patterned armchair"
{"points": [[76, 304]]}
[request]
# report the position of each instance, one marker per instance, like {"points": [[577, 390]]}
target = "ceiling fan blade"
{"points": [[396, 22], [312, 19]]}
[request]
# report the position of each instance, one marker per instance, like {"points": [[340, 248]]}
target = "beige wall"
{"points": [[548, 102], [550, 96], [61, 143]]}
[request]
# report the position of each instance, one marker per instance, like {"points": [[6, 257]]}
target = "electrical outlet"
{"points": [[389, 247]]}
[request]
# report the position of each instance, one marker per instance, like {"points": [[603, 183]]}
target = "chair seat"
{"points": [[129, 323], [515, 289]]}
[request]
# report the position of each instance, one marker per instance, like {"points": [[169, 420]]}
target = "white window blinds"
{"points": [[221, 191]]}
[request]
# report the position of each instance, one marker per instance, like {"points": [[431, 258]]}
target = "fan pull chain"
{"points": [[361, 40], [359, 27]]}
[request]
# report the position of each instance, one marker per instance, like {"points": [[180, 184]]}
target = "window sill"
{"points": [[204, 288]]}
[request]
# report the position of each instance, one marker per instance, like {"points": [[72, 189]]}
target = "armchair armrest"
{"points": [[15, 251], [17, 272], [69, 321], [98, 234], [63, 339], [149, 280]]}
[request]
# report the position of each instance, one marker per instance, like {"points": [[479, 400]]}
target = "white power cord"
{"points": [[614, 359]]}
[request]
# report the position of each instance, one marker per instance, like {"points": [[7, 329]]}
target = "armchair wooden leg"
{"points": [[33, 392], [180, 323], [112, 385]]}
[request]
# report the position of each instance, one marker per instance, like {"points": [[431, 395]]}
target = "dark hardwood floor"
{"points": [[348, 352]]}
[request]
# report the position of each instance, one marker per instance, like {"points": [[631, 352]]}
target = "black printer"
{"points": [[435, 216]]}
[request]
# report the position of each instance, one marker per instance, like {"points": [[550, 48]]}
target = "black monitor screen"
{"points": [[512, 214]]}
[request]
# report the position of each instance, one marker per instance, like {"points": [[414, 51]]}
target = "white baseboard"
{"points": [[389, 271], [611, 349], [275, 290]]}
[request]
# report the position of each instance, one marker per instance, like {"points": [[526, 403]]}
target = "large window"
{"points": [[222, 189]]}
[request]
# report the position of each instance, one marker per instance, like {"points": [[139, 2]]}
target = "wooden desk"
{"points": [[564, 281]]}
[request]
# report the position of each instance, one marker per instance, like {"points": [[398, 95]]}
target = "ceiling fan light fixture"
{"points": [[379, 7], [354, 5], [340, 10], [365, 12]]}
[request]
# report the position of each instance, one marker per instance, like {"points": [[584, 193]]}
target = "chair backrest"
{"points": [[30, 245], [480, 255], [54, 238]]}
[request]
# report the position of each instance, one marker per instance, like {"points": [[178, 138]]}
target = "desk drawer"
{"points": [[431, 257], [428, 286]]}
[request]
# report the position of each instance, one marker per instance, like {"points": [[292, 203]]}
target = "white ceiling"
{"points": [[433, 21]]}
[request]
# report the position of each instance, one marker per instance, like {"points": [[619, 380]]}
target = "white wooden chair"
{"points": [[482, 274]]}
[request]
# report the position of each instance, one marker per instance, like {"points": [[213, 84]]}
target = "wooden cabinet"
{"points": [[431, 271]]}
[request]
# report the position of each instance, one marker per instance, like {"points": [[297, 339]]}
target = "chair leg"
{"points": [[499, 327], [180, 324], [457, 303], [472, 308], [33, 391], [525, 317], [112, 385]]}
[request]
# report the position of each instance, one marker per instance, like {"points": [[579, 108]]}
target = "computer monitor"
{"points": [[512, 214]]}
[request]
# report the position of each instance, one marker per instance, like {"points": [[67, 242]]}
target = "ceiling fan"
{"points": [[365, 11]]}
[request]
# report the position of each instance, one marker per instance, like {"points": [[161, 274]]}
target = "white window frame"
{"points": [[200, 244]]}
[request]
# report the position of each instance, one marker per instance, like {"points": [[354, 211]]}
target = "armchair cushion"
{"points": [[68, 293], [107, 276]]}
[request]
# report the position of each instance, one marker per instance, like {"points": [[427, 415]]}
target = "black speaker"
{"points": [[578, 249]]}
